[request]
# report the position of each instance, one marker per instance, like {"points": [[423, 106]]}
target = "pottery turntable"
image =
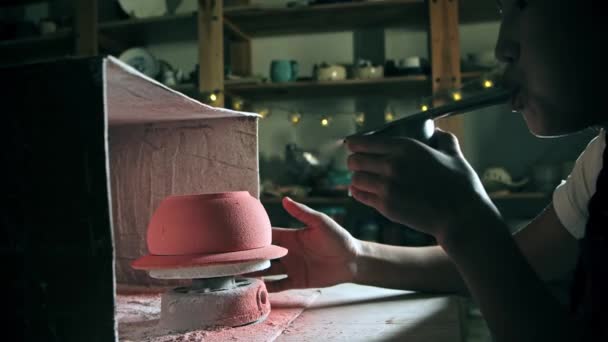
{"points": [[211, 239]]}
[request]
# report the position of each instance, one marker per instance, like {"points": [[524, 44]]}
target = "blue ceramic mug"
{"points": [[283, 70]]}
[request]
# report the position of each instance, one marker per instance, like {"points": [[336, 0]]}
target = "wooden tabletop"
{"points": [[351, 312]]}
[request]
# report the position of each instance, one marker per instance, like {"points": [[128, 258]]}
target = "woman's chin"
{"points": [[544, 126], [539, 126]]}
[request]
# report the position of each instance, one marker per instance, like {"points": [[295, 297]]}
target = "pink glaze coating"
{"points": [[151, 262], [196, 230]]}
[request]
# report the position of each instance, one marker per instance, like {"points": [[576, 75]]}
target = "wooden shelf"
{"points": [[258, 22], [179, 27], [169, 28], [250, 21], [416, 85], [60, 43], [395, 86]]}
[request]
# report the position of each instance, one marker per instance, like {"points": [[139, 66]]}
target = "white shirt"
{"points": [[571, 197]]}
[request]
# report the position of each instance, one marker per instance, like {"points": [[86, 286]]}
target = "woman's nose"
{"points": [[507, 50], [507, 46]]}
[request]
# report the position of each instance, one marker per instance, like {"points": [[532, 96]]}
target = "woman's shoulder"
{"points": [[595, 148]]}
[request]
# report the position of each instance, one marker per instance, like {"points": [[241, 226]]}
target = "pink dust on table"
{"points": [[138, 316]]}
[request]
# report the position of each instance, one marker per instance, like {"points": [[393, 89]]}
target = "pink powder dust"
{"points": [[138, 316]]}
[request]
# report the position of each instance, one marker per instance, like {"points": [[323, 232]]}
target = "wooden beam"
{"points": [[445, 55], [240, 50], [370, 44], [211, 49], [86, 27]]}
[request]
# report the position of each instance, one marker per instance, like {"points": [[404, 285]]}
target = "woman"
{"points": [[545, 45]]}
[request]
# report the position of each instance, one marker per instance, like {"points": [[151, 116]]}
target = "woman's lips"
{"points": [[517, 103]]}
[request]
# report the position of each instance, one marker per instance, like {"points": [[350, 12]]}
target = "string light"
{"points": [[237, 103], [295, 118], [325, 121], [360, 119], [211, 97], [264, 113], [389, 115]]}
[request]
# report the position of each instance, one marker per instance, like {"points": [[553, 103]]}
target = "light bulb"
{"points": [[295, 118], [324, 121], [389, 116], [264, 113], [424, 108], [237, 104], [213, 97], [360, 119], [457, 96], [488, 84]]}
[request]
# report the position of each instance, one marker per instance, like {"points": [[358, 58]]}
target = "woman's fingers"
{"points": [[370, 182], [365, 197], [302, 213], [371, 163], [372, 144], [446, 142], [282, 236]]}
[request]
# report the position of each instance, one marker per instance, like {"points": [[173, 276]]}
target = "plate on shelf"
{"points": [[142, 60], [145, 8]]}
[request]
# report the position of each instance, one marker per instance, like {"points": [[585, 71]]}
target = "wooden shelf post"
{"points": [[211, 50], [445, 55], [86, 27]]}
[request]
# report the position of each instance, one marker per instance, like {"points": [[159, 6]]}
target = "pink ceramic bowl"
{"points": [[196, 230]]}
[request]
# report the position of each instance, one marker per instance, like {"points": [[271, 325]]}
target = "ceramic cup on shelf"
{"points": [[47, 26], [414, 65], [369, 71], [283, 70], [333, 72]]}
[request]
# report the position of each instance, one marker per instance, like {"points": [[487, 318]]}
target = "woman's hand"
{"points": [[429, 189], [320, 254]]}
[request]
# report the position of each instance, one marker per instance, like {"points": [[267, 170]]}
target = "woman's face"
{"points": [[546, 46]]}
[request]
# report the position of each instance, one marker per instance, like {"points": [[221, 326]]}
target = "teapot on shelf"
{"points": [[329, 72]]}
